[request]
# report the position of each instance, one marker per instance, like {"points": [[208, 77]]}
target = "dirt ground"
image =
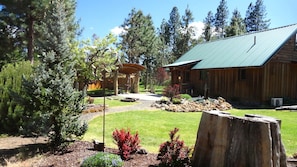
{"points": [[31, 152]]}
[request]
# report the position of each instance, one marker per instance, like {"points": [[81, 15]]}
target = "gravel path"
{"points": [[144, 103]]}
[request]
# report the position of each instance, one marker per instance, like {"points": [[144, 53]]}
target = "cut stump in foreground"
{"points": [[228, 141]]}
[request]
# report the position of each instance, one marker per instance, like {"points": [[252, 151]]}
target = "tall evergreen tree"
{"points": [[174, 32], [54, 105], [256, 17], [208, 25], [237, 26], [131, 42], [164, 54], [23, 17], [221, 18], [186, 41]]}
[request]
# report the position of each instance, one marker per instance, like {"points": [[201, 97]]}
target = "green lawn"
{"points": [[153, 126], [112, 101]]}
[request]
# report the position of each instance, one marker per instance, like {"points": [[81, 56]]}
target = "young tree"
{"points": [[208, 26], [53, 106], [237, 26], [255, 17], [221, 18]]}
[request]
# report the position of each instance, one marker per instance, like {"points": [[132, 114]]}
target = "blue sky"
{"points": [[102, 16]]}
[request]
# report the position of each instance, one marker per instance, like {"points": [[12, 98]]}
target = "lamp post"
{"points": [[104, 67]]}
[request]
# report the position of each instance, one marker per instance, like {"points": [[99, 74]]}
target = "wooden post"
{"points": [[116, 82], [228, 141]]}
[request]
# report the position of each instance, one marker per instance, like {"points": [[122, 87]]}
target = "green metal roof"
{"points": [[249, 50]]}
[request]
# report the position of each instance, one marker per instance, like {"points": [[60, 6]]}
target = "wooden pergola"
{"points": [[128, 69]]}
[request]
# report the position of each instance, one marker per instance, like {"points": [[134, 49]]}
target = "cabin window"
{"points": [[203, 74], [242, 74], [186, 76]]}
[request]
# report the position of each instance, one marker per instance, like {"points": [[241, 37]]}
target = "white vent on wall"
{"points": [[276, 102]]}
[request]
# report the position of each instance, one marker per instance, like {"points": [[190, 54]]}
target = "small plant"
{"points": [[171, 91], [186, 96], [176, 100], [90, 100], [103, 159], [126, 142], [174, 153]]}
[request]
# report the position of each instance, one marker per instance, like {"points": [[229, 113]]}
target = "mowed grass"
{"points": [[111, 101], [154, 126]]}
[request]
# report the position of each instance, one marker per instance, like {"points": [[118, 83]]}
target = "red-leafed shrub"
{"points": [[171, 91], [126, 142], [174, 153]]}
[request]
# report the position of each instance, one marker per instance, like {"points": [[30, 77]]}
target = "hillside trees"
{"points": [[53, 106]]}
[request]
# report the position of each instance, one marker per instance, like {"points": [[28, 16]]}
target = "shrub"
{"points": [[103, 159], [176, 100], [185, 96], [174, 153], [11, 112], [126, 142], [171, 91]]}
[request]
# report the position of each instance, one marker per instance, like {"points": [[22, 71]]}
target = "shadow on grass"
{"points": [[22, 153]]}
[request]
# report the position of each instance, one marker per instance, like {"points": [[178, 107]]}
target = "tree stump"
{"points": [[228, 141]]}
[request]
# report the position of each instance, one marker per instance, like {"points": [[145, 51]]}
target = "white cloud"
{"points": [[198, 28], [117, 30]]}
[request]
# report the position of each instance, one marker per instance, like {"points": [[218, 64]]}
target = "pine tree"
{"points": [[208, 25], [131, 42], [255, 17], [186, 41], [164, 57], [23, 17], [221, 18], [237, 26], [54, 105], [174, 32]]}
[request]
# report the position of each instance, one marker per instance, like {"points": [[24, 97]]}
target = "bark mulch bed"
{"points": [[27, 155]]}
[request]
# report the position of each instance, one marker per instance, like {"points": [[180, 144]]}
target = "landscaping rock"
{"points": [[194, 106]]}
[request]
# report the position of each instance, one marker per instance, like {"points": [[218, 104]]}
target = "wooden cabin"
{"points": [[251, 68]]}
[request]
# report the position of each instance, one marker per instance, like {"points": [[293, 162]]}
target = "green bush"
{"points": [[185, 96], [176, 100], [11, 112], [103, 159]]}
